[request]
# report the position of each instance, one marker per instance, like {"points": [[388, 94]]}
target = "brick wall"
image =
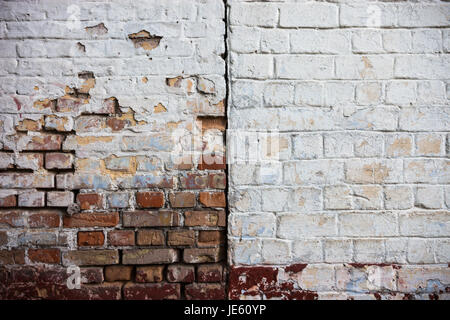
{"points": [[352, 202], [112, 146], [113, 117]]}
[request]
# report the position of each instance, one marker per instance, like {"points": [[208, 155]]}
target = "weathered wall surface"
{"points": [[109, 114], [349, 195]]}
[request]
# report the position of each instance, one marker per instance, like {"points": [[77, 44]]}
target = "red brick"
{"points": [[12, 219], [194, 181], [203, 255], [205, 291], [150, 199], [45, 255], [68, 104], [180, 273], [149, 256], [91, 238], [213, 199], [91, 257], [41, 142], [217, 180], [44, 219], [208, 238], [151, 291], [58, 160], [32, 199], [92, 220], [162, 218], [92, 275], [210, 273], [89, 201], [8, 201], [181, 237], [205, 218], [14, 256], [121, 238], [182, 200], [3, 238], [149, 274], [210, 162], [150, 238], [118, 273]]}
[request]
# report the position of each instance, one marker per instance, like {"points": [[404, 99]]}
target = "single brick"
{"points": [[217, 180], [181, 237], [91, 238], [180, 273], [92, 220], [12, 219], [149, 274], [208, 238], [8, 200], [32, 199], [118, 200], [121, 238], [90, 201], [149, 256], [59, 198], [202, 255], [52, 256], [163, 218], [212, 199], [41, 142], [182, 199], [58, 160], [150, 238], [118, 273], [150, 199], [151, 291], [193, 181], [210, 272], [33, 161], [91, 275], [205, 291], [205, 218], [211, 162], [90, 257]]}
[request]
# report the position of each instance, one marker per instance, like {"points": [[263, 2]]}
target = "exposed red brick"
{"points": [[217, 180], [8, 201], [203, 255], [90, 201], [3, 238], [210, 272], [205, 291], [151, 291], [181, 237], [91, 238], [42, 142], [180, 273], [14, 256], [182, 199], [12, 218], [44, 255], [121, 238], [150, 199], [92, 275], [118, 273], [194, 181], [92, 220], [212, 199], [149, 274]]}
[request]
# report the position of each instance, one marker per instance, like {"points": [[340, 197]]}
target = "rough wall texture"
{"points": [[112, 153], [348, 196], [112, 119]]}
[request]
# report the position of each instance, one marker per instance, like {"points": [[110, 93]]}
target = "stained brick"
{"points": [[151, 291], [180, 273], [58, 161], [150, 199], [212, 199], [210, 272], [90, 201], [182, 199], [92, 220], [163, 218], [118, 273], [91, 257], [150, 237], [44, 255], [149, 256], [149, 274], [121, 238], [204, 218], [91, 238], [181, 237]]}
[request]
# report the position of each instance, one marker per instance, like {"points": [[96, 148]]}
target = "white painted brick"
{"points": [[442, 250], [424, 119], [401, 93], [427, 41], [398, 197], [252, 66], [317, 278], [306, 67], [369, 250], [374, 171], [420, 251], [429, 197], [396, 249], [274, 199], [367, 197], [338, 250], [365, 67], [245, 40], [363, 15], [245, 251], [369, 93], [307, 251], [309, 94], [278, 94], [373, 118], [252, 225], [431, 92], [425, 67], [275, 251], [338, 197], [307, 172], [426, 170], [247, 94], [423, 15], [339, 93], [367, 41], [300, 226], [316, 15], [425, 224], [397, 40], [305, 200]]}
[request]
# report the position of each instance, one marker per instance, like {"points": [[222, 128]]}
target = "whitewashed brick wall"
{"points": [[357, 95]]}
